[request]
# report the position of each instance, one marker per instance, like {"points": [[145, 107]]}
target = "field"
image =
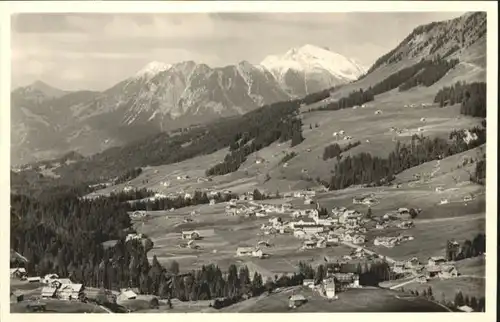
{"points": [[446, 289], [58, 306], [221, 235], [353, 300]]}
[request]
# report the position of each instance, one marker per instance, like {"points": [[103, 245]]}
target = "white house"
{"points": [[244, 251], [299, 233], [190, 235], [257, 253], [436, 260], [49, 278]]}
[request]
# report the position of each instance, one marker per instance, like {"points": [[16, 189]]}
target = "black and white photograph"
{"points": [[250, 161]]}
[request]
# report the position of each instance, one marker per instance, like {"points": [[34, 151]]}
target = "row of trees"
{"points": [[264, 134], [477, 305], [431, 73], [472, 97], [288, 157], [198, 198], [128, 175], [359, 97], [425, 72], [479, 175], [334, 150], [364, 168], [467, 249]]}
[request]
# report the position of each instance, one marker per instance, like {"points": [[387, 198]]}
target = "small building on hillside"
{"points": [[308, 283], [70, 292], [48, 292], [421, 279], [34, 279], [433, 271], [448, 272], [19, 273], [190, 235], [296, 300], [16, 297], [309, 244], [299, 233], [258, 253], [329, 287], [466, 309], [358, 239], [244, 251], [436, 260], [49, 278], [127, 294]]}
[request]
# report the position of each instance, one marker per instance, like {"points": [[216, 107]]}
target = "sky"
{"points": [[90, 51]]}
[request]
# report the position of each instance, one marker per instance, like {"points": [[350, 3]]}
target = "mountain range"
{"points": [[47, 122]]}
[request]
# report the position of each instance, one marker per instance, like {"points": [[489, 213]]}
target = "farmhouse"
{"points": [[48, 292], [138, 214], [34, 279], [308, 283], [19, 272], [190, 235], [465, 308], [399, 268], [296, 300], [435, 261], [16, 297], [70, 291], [421, 279], [412, 262], [329, 287], [298, 233], [433, 271], [405, 224], [49, 278], [309, 244], [347, 280], [358, 239], [127, 294], [448, 272], [244, 251], [309, 229]]}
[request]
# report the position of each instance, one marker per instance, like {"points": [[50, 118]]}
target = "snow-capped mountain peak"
{"points": [[309, 58], [152, 69]]}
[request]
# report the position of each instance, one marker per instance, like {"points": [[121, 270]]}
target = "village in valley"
{"points": [[345, 240], [366, 196]]}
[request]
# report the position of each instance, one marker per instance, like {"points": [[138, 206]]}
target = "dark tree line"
{"points": [[264, 134], [467, 249], [479, 175], [334, 150], [359, 97], [425, 72], [478, 305], [288, 157], [472, 98], [180, 201], [128, 175], [364, 168], [429, 74]]}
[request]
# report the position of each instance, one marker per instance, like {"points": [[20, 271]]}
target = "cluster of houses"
{"points": [[332, 284], [54, 287], [436, 267], [391, 241], [364, 200], [252, 208]]}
